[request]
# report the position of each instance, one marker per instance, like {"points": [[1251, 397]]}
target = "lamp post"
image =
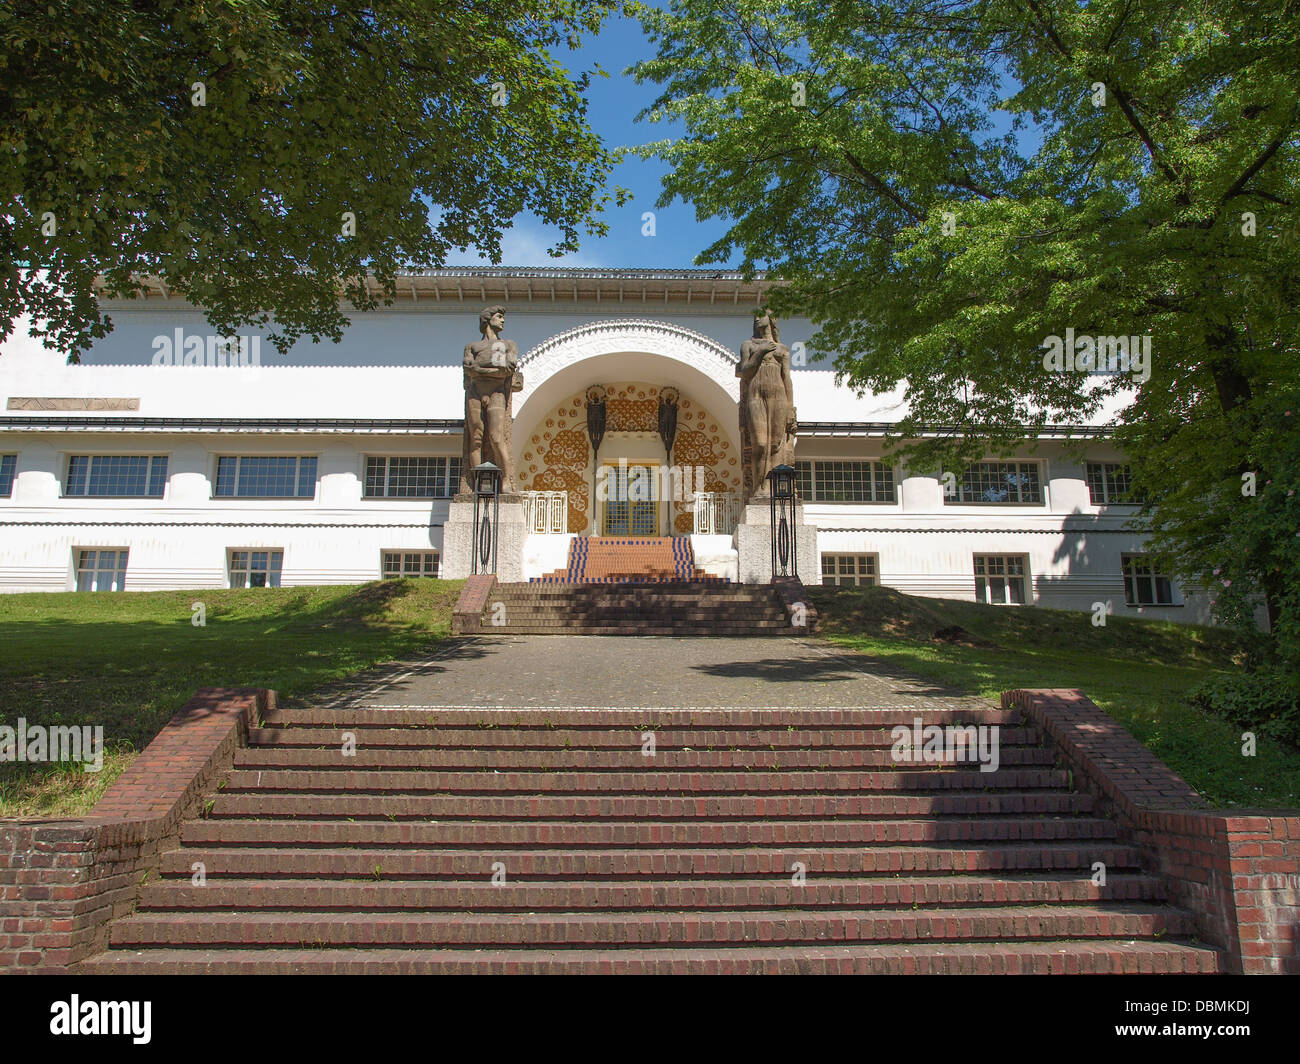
{"points": [[487, 509], [781, 480]]}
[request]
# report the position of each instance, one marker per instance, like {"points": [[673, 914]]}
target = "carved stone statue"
{"points": [[668, 398], [768, 426], [491, 378]]}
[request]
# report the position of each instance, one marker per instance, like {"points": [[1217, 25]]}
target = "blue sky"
{"points": [[614, 103]]}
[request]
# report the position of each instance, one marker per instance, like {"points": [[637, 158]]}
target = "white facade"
{"points": [[392, 390]]}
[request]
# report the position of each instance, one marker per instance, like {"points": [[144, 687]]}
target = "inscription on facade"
{"points": [[27, 402]]}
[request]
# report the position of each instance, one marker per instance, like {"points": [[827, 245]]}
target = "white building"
{"points": [[334, 464]]}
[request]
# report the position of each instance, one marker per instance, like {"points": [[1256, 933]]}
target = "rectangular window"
{"points": [[849, 570], [412, 478], [836, 480], [257, 477], [116, 475], [1000, 484], [1108, 482], [8, 468], [101, 570], [1144, 585], [409, 563], [1000, 579], [803, 480], [255, 568]]}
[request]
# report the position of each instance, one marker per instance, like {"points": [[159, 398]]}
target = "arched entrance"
{"points": [[633, 486]]}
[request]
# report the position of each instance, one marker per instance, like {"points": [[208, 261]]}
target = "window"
{"points": [[266, 478], [1108, 482], [101, 570], [1000, 483], [849, 570], [1000, 579], [119, 475], [255, 568], [412, 478], [409, 563], [833, 480], [1144, 585], [8, 467]]}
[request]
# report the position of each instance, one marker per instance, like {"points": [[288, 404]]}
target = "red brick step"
{"points": [[781, 840]]}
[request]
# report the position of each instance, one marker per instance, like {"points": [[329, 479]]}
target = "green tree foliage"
{"points": [[219, 144], [946, 183]]}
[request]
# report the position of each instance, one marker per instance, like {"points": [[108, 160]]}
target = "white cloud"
{"points": [[525, 244]]}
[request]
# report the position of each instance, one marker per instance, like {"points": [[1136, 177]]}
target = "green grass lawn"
{"points": [[1138, 671], [129, 661]]}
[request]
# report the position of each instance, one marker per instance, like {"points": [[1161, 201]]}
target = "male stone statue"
{"points": [[767, 415], [491, 376]]}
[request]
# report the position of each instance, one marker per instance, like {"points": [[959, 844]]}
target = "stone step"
{"points": [[772, 630], [618, 615], [362, 895], [640, 834], [1063, 957], [736, 781], [585, 721], [626, 760], [614, 808], [556, 862], [633, 594], [1132, 920], [666, 739]]}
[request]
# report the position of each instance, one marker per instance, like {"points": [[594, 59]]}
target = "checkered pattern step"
{"points": [[630, 560]]}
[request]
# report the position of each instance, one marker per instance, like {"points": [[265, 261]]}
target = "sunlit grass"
{"points": [[129, 661], [1138, 671]]}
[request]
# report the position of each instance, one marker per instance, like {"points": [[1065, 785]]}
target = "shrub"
{"points": [[1265, 701]]}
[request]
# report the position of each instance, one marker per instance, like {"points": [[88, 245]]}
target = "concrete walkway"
{"points": [[581, 672]]}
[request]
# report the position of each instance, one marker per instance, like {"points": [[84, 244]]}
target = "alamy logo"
{"points": [[644, 483], [948, 744], [38, 743], [1101, 355], [102, 1017], [200, 349]]}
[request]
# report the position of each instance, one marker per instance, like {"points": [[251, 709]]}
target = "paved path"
{"points": [[642, 672]]}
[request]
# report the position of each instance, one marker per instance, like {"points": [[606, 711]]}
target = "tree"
{"points": [[945, 185], [262, 157]]}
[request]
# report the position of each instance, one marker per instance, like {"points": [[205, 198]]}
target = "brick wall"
{"points": [[1237, 872], [794, 598], [467, 614], [62, 881]]}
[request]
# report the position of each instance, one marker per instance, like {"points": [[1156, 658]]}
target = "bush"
{"points": [[1265, 701]]}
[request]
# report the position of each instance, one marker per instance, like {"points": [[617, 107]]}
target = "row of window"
{"points": [[294, 477], [999, 578], [1003, 579], [982, 484], [246, 476], [104, 569]]}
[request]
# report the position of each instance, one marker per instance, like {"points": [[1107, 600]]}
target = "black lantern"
{"points": [[487, 508], [781, 482]]}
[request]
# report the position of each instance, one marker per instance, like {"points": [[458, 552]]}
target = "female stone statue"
{"points": [[768, 425]]}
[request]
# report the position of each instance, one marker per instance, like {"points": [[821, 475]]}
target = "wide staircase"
{"points": [[661, 608], [640, 841], [635, 585]]}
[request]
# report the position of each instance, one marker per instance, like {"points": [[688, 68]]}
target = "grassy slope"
{"points": [[1137, 671], [129, 661]]}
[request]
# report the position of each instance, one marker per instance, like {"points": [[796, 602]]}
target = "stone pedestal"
{"points": [[754, 544], [458, 539]]}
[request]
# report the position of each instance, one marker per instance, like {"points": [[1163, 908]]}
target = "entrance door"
{"points": [[631, 500]]}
